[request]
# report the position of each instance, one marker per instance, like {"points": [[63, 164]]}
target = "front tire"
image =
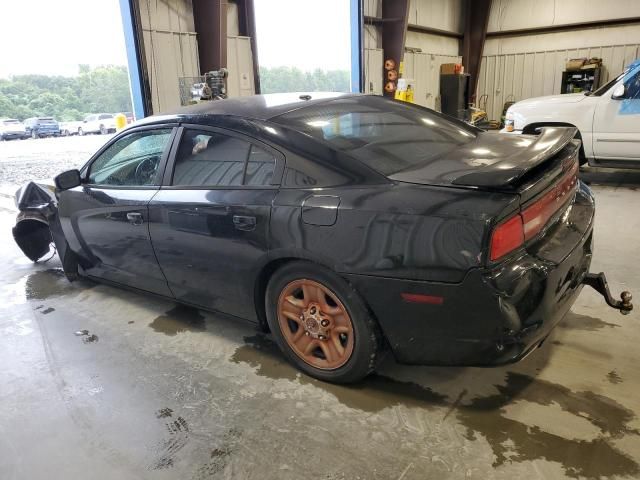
{"points": [[321, 324], [103, 131], [80, 131]]}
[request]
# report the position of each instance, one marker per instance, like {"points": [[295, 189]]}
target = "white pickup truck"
{"points": [[608, 120], [102, 123]]}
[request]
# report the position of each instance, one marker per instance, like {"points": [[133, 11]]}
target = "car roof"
{"points": [[258, 107]]}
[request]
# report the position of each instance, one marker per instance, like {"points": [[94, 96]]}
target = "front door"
{"points": [[616, 123], [106, 219], [209, 224]]}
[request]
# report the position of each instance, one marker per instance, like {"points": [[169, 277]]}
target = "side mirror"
{"points": [[619, 92], [68, 180]]}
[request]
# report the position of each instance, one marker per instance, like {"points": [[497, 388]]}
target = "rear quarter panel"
{"points": [[397, 230]]}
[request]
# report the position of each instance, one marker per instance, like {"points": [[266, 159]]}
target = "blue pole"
{"points": [[135, 78], [356, 45]]}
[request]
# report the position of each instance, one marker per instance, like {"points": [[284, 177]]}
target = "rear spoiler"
{"points": [[548, 144]]}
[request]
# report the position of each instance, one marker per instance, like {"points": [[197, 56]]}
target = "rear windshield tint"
{"points": [[387, 136]]}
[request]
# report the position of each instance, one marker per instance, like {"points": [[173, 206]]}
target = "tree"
{"points": [[292, 79], [94, 90]]}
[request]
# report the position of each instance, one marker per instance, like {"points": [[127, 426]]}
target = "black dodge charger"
{"points": [[345, 224]]}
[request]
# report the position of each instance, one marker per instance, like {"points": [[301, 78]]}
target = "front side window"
{"points": [[132, 160], [211, 159]]}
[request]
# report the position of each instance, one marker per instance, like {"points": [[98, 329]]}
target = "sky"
{"points": [[307, 34], [52, 37]]}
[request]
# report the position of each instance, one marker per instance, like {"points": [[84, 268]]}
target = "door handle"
{"points": [[135, 218], [244, 222]]}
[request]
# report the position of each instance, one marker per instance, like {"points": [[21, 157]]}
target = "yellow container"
{"points": [[121, 121]]}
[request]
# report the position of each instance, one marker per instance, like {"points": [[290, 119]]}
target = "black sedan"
{"points": [[345, 224]]}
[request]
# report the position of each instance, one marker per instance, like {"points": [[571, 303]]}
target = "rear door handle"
{"points": [[135, 218], [244, 222]]}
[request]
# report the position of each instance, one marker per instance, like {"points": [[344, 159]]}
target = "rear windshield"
{"points": [[46, 120], [104, 116], [387, 136]]}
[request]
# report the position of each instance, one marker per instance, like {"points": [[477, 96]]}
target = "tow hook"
{"points": [[598, 281]]}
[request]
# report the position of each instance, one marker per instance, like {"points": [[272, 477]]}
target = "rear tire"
{"points": [[34, 134], [321, 324], [103, 131], [80, 131]]}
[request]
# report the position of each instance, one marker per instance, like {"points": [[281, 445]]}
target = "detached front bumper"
{"points": [[494, 316]]}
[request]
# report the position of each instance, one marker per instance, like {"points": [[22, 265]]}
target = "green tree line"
{"points": [[292, 79], [93, 90]]}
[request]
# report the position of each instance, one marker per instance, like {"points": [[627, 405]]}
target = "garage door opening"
{"points": [[303, 46]]}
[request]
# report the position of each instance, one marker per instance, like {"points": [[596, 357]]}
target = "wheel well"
{"points": [[260, 288], [531, 130]]}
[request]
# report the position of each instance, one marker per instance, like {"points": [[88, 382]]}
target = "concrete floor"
{"points": [[151, 390]]}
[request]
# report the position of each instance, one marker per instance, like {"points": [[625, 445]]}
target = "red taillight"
{"points": [[536, 216], [525, 225], [507, 237]]}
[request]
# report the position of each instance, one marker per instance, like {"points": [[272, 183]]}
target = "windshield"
{"points": [[603, 89], [387, 136]]}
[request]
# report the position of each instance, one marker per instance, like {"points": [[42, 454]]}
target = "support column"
{"points": [[475, 33], [395, 18], [210, 21]]}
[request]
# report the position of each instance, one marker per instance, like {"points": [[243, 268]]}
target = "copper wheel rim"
{"points": [[315, 324]]}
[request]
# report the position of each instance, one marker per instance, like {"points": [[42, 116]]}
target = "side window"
{"points": [[132, 160], [208, 159], [260, 167]]}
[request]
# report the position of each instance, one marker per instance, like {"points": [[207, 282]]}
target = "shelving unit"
{"points": [[584, 80]]}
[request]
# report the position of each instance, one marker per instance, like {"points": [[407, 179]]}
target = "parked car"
{"points": [[11, 128], [130, 117], [608, 119], [38, 127], [70, 128], [102, 123], [343, 223]]}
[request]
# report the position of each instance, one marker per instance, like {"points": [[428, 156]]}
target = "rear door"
{"points": [[210, 220], [616, 123], [106, 219]]}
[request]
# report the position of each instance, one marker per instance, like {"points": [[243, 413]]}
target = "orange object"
{"points": [[389, 64], [390, 87], [392, 75]]}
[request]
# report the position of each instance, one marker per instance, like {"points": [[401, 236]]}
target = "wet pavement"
{"points": [[98, 382]]}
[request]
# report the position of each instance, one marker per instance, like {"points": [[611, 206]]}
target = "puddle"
{"points": [[373, 394], [485, 417], [48, 310], [575, 321], [90, 339], [50, 283], [179, 319]]}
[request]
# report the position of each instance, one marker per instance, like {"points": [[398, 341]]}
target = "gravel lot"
{"points": [[25, 160]]}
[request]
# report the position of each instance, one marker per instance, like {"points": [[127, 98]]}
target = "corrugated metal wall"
{"points": [[170, 47], [423, 71], [532, 74]]}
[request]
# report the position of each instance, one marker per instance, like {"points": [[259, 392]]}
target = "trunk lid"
{"points": [[499, 162]]}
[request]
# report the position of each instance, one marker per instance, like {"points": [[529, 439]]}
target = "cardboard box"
{"points": [[449, 68], [575, 63]]}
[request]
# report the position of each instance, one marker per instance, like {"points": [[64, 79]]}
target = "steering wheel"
{"points": [[146, 170]]}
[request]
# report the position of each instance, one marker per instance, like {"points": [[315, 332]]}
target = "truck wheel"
{"points": [[103, 131], [321, 324], [80, 131], [34, 134]]}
